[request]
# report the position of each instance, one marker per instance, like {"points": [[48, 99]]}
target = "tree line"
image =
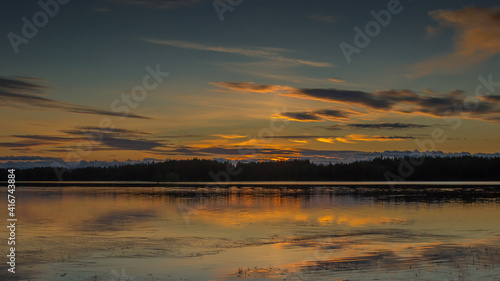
{"points": [[464, 168]]}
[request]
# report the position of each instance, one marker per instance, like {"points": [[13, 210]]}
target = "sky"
{"points": [[111, 81]]}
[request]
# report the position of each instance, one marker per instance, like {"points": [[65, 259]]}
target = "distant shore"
{"points": [[413, 191], [282, 184]]}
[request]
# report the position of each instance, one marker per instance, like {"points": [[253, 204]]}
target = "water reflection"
{"points": [[85, 233]]}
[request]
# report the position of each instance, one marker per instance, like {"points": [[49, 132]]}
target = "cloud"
{"points": [[492, 98], [122, 139], [346, 96], [334, 115], [28, 142], [327, 140], [23, 93], [388, 101], [26, 145], [117, 131], [181, 136], [477, 39], [111, 139], [317, 115], [22, 84], [301, 116], [44, 138], [432, 31], [314, 155], [250, 87], [336, 80], [357, 137], [272, 54], [158, 4], [324, 18], [377, 126], [299, 141], [293, 137], [230, 137], [26, 158]]}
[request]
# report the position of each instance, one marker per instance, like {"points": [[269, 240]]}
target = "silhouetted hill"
{"points": [[465, 168]]}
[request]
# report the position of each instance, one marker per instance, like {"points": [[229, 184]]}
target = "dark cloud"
{"points": [[112, 130], [492, 98], [354, 97], [317, 115], [44, 138], [182, 136], [301, 116], [26, 158], [19, 93], [117, 138], [24, 144], [403, 101], [331, 113], [25, 162], [408, 102], [377, 126], [20, 83], [295, 137], [112, 139]]}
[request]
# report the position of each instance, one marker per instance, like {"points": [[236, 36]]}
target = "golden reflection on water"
{"points": [[248, 234]]}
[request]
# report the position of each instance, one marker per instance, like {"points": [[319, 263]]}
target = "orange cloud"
{"points": [[344, 140], [250, 87], [327, 140], [336, 80], [299, 141], [231, 137], [477, 39], [357, 137]]}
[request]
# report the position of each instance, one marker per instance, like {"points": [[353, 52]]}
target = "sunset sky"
{"points": [[247, 79]]}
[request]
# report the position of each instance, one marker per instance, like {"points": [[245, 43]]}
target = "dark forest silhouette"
{"points": [[465, 168]]}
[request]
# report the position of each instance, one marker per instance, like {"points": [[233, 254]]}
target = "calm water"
{"points": [[156, 233]]}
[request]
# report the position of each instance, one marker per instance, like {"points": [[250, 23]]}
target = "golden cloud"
{"points": [[477, 39]]}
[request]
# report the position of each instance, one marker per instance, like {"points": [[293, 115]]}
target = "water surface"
{"points": [[253, 233]]}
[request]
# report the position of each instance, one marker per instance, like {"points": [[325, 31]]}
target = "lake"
{"points": [[276, 231]]}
